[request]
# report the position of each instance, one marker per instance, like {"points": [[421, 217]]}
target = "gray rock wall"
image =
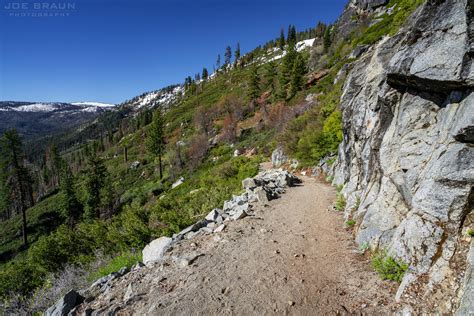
{"points": [[407, 158]]}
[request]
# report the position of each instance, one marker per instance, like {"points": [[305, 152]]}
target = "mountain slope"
{"points": [[34, 120]]}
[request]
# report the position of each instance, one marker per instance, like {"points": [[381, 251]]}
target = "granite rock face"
{"points": [[407, 158]]}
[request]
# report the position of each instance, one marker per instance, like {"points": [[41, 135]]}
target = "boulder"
{"points": [[154, 251], [239, 214], [278, 157], [65, 304], [178, 182], [192, 228], [135, 164], [212, 216], [249, 183], [261, 195], [219, 228]]}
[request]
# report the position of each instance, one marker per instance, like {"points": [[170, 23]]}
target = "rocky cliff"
{"points": [[407, 158]]}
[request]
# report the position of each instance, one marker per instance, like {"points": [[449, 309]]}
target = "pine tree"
{"points": [[205, 73], [218, 62], [291, 35], [69, 205], [286, 70], [227, 55], [56, 163], [299, 69], [5, 211], [270, 75], [95, 179], [327, 38], [281, 40], [320, 29], [16, 176], [237, 53], [254, 84], [155, 140]]}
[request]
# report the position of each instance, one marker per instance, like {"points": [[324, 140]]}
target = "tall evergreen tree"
{"points": [[299, 69], [5, 211], [227, 55], [69, 204], [95, 179], [286, 70], [327, 38], [281, 40], [270, 75], [18, 180], [254, 83], [291, 35], [155, 140], [218, 62], [205, 73], [237, 53]]}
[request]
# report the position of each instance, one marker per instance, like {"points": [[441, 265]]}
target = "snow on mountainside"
{"points": [[36, 119], [163, 97], [53, 106], [276, 53]]}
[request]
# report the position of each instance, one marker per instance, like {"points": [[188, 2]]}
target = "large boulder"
{"points": [[154, 251], [65, 304]]}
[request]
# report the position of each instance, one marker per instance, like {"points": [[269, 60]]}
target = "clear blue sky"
{"points": [[112, 50]]}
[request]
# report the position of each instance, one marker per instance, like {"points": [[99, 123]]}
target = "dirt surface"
{"points": [[293, 256]]}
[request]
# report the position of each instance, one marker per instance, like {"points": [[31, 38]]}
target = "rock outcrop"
{"points": [[407, 158], [65, 304]]}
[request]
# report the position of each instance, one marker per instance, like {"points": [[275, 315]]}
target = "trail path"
{"points": [[293, 256]]}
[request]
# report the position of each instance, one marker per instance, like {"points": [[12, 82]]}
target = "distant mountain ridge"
{"points": [[36, 119]]}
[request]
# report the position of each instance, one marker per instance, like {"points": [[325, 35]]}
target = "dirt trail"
{"points": [[293, 256]]}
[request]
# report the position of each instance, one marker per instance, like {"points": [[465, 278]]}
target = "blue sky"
{"points": [[112, 50]]}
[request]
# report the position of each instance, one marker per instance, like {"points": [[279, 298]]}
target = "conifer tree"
{"points": [[254, 84], [281, 40], [327, 38], [237, 53], [5, 211], [218, 62], [155, 140], [205, 73], [95, 179], [291, 35], [299, 69], [286, 70], [69, 204], [17, 179], [227, 55], [270, 75]]}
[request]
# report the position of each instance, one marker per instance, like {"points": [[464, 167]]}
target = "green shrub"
{"points": [[350, 223], [388, 267], [19, 277], [125, 259], [340, 202], [470, 232]]}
